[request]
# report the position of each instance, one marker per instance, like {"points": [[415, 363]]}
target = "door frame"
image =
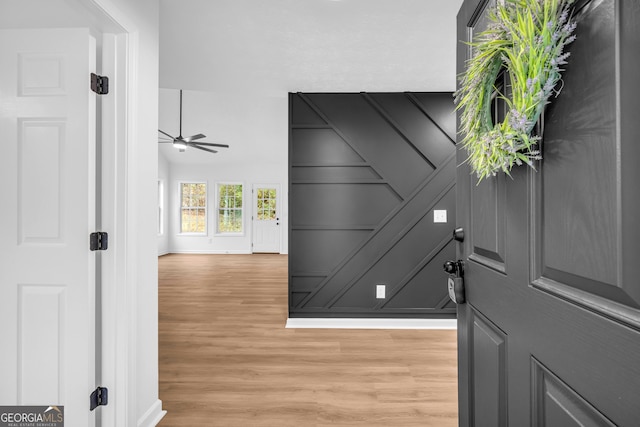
{"points": [[120, 54], [254, 196], [118, 320]]}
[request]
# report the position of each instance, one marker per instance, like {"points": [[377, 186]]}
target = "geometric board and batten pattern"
{"points": [[366, 173]]}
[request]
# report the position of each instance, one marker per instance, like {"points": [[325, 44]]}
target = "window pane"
{"points": [[229, 221], [193, 222], [185, 195], [185, 220], [193, 207], [190, 223], [230, 208], [201, 221], [266, 204], [238, 196]]}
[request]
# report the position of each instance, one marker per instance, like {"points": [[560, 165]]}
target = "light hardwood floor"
{"points": [[227, 360]]}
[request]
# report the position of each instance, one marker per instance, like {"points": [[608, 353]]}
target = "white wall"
{"points": [[247, 175]]}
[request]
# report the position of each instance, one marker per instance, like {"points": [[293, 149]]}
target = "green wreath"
{"points": [[527, 38]]}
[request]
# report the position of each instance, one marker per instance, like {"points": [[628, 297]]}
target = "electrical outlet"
{"points": [[440, 215], [381, 291]]}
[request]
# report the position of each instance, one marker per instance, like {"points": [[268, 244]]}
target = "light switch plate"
{"points": [[440, 215], [381, 291]]}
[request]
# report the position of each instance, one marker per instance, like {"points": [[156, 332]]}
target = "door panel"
{"points": [[40, 153], [553, 299], [578, 227], [47, 170], [488, 223], [556, 404], [490, 371]]}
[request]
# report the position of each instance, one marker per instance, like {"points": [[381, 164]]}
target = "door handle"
{"points": [[458, 234], [455, 281]]}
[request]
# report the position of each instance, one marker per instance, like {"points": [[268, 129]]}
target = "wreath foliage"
{"points": [[527, 38]]}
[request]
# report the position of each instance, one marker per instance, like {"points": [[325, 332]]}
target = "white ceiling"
{"points": [[246, 55], [275, 46]]}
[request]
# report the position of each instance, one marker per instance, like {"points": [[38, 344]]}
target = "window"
{"points": [[266, 204], [230, 208], [160, 208], [193, 207]]}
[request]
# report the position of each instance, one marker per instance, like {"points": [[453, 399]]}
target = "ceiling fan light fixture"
{"points": [[180, 145], [193, 141]]}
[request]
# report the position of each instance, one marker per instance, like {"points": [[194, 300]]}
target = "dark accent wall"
{"points": [[366, 171]]}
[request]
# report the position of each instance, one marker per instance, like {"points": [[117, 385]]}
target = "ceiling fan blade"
{"points": [[211, 144], [194, 137], [202, 148], [166, 134], [164, 141]]}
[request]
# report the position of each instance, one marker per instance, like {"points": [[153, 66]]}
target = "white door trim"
{"points": [[254, 213], [116, 318], [119, 211]]}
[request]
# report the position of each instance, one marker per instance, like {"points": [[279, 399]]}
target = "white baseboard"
{"points": [[152, 417], [213, 252], [351, 323]]}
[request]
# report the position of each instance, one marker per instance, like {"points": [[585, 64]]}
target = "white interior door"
{"points": [[47, 210], [266, 218]]}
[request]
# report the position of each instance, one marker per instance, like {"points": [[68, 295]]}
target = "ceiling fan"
{"points": [[182, 143]]}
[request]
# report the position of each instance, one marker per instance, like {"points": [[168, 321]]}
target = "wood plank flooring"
{"points": [[227, 360]]}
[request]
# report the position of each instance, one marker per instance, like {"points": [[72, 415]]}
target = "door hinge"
{"points": [[99, 397], [99, 84], [98, 241]]}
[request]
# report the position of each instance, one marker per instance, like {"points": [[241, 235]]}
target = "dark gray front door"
{"points": [[550, 332]]}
